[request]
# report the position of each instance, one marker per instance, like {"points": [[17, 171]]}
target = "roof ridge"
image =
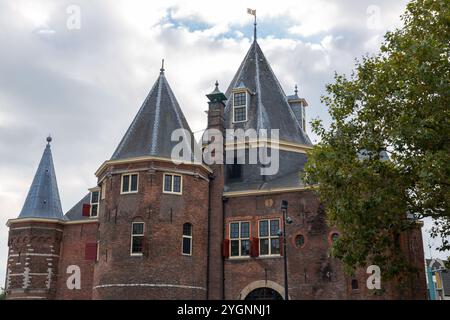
{"points": [[261, 110], [157, 115]]}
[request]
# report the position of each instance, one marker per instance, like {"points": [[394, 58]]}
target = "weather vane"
{"points": [[253, 13]]}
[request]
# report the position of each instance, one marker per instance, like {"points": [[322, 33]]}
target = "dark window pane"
{"points": [[334, 237], [187, 229], [245, 247], [168, 183], [187, 245], [264, 228], [354, 284], [245, 230], [94, 210], [234, 248], [264, 246], [234, 230], [134, 182], [138, 228], [94, 197], [240, 99], [126, 184], [274, 227], [137, 244], [240, 114], [275, 246], [176, 183]]}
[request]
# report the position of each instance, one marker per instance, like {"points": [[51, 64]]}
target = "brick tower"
{"points": [[153, 218], [216, 108], [35, 237]]}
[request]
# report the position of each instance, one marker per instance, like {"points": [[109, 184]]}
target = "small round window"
{"points": [[299, 240], [334, 237]]}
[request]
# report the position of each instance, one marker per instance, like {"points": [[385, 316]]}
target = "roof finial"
{"points": [[217, 85], [162, 67], [253, 13], [49, 139], [296, 89]]}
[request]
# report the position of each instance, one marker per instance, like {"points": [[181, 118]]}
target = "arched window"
{"points": [[187, 239], [299, 241]]}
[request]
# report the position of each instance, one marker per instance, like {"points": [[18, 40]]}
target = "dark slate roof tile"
{"points": [[150, 132], [43, 197], [269, 107], [76, 213]]}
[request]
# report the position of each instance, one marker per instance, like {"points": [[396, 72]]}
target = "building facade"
{"points": [[155, 228]]}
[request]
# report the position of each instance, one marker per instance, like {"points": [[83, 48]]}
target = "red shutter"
{"points": [[90, 251], [86, 209], [281, 245], [226, 248], [254, 247]]}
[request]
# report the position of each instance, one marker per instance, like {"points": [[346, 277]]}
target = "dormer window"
{"points": [[240, 101]]}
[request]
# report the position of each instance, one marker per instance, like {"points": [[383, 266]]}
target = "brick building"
{"points": [[154, 228]]}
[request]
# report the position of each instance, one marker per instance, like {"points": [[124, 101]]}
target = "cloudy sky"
{"points": [[83, 80]]}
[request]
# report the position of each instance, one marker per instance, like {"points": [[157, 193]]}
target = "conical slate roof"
{"points": [[43, 198], [150, 132], [269, 107]]}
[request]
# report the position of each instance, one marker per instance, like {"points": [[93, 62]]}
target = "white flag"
{"points": [[252, 12]]}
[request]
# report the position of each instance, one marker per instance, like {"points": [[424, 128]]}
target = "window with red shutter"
{"points": [[226, 248], [86, 209], [90, 251]]}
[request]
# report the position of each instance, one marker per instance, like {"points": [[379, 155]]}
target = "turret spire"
{"points": [[43, 197], [162, 67]]}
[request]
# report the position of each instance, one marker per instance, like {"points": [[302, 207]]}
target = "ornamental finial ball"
{"points": [[49, 138]]}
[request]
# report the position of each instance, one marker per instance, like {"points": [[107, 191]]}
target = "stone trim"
{"points": [[261, 284]]}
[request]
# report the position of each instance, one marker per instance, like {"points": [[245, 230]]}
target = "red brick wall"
{"points": [[75, 238], [313, 273], [168, 274]]}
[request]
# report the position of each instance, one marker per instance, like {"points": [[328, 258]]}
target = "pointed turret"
{"points": [[267, 104], [150, 132], [43, 198]]}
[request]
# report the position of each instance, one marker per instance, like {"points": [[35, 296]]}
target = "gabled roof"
{"points": [[43, 197], [269, 107], [150, 132]]}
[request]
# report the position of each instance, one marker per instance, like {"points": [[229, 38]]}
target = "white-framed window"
{"points": [[173, 183], [240, 239], [269, 240], [95, 200], [240, 106], [129, 183], [137, 238], [187, 239]]}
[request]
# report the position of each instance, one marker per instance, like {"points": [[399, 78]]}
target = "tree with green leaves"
{"points": [[384, 161], [2, 294]]}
